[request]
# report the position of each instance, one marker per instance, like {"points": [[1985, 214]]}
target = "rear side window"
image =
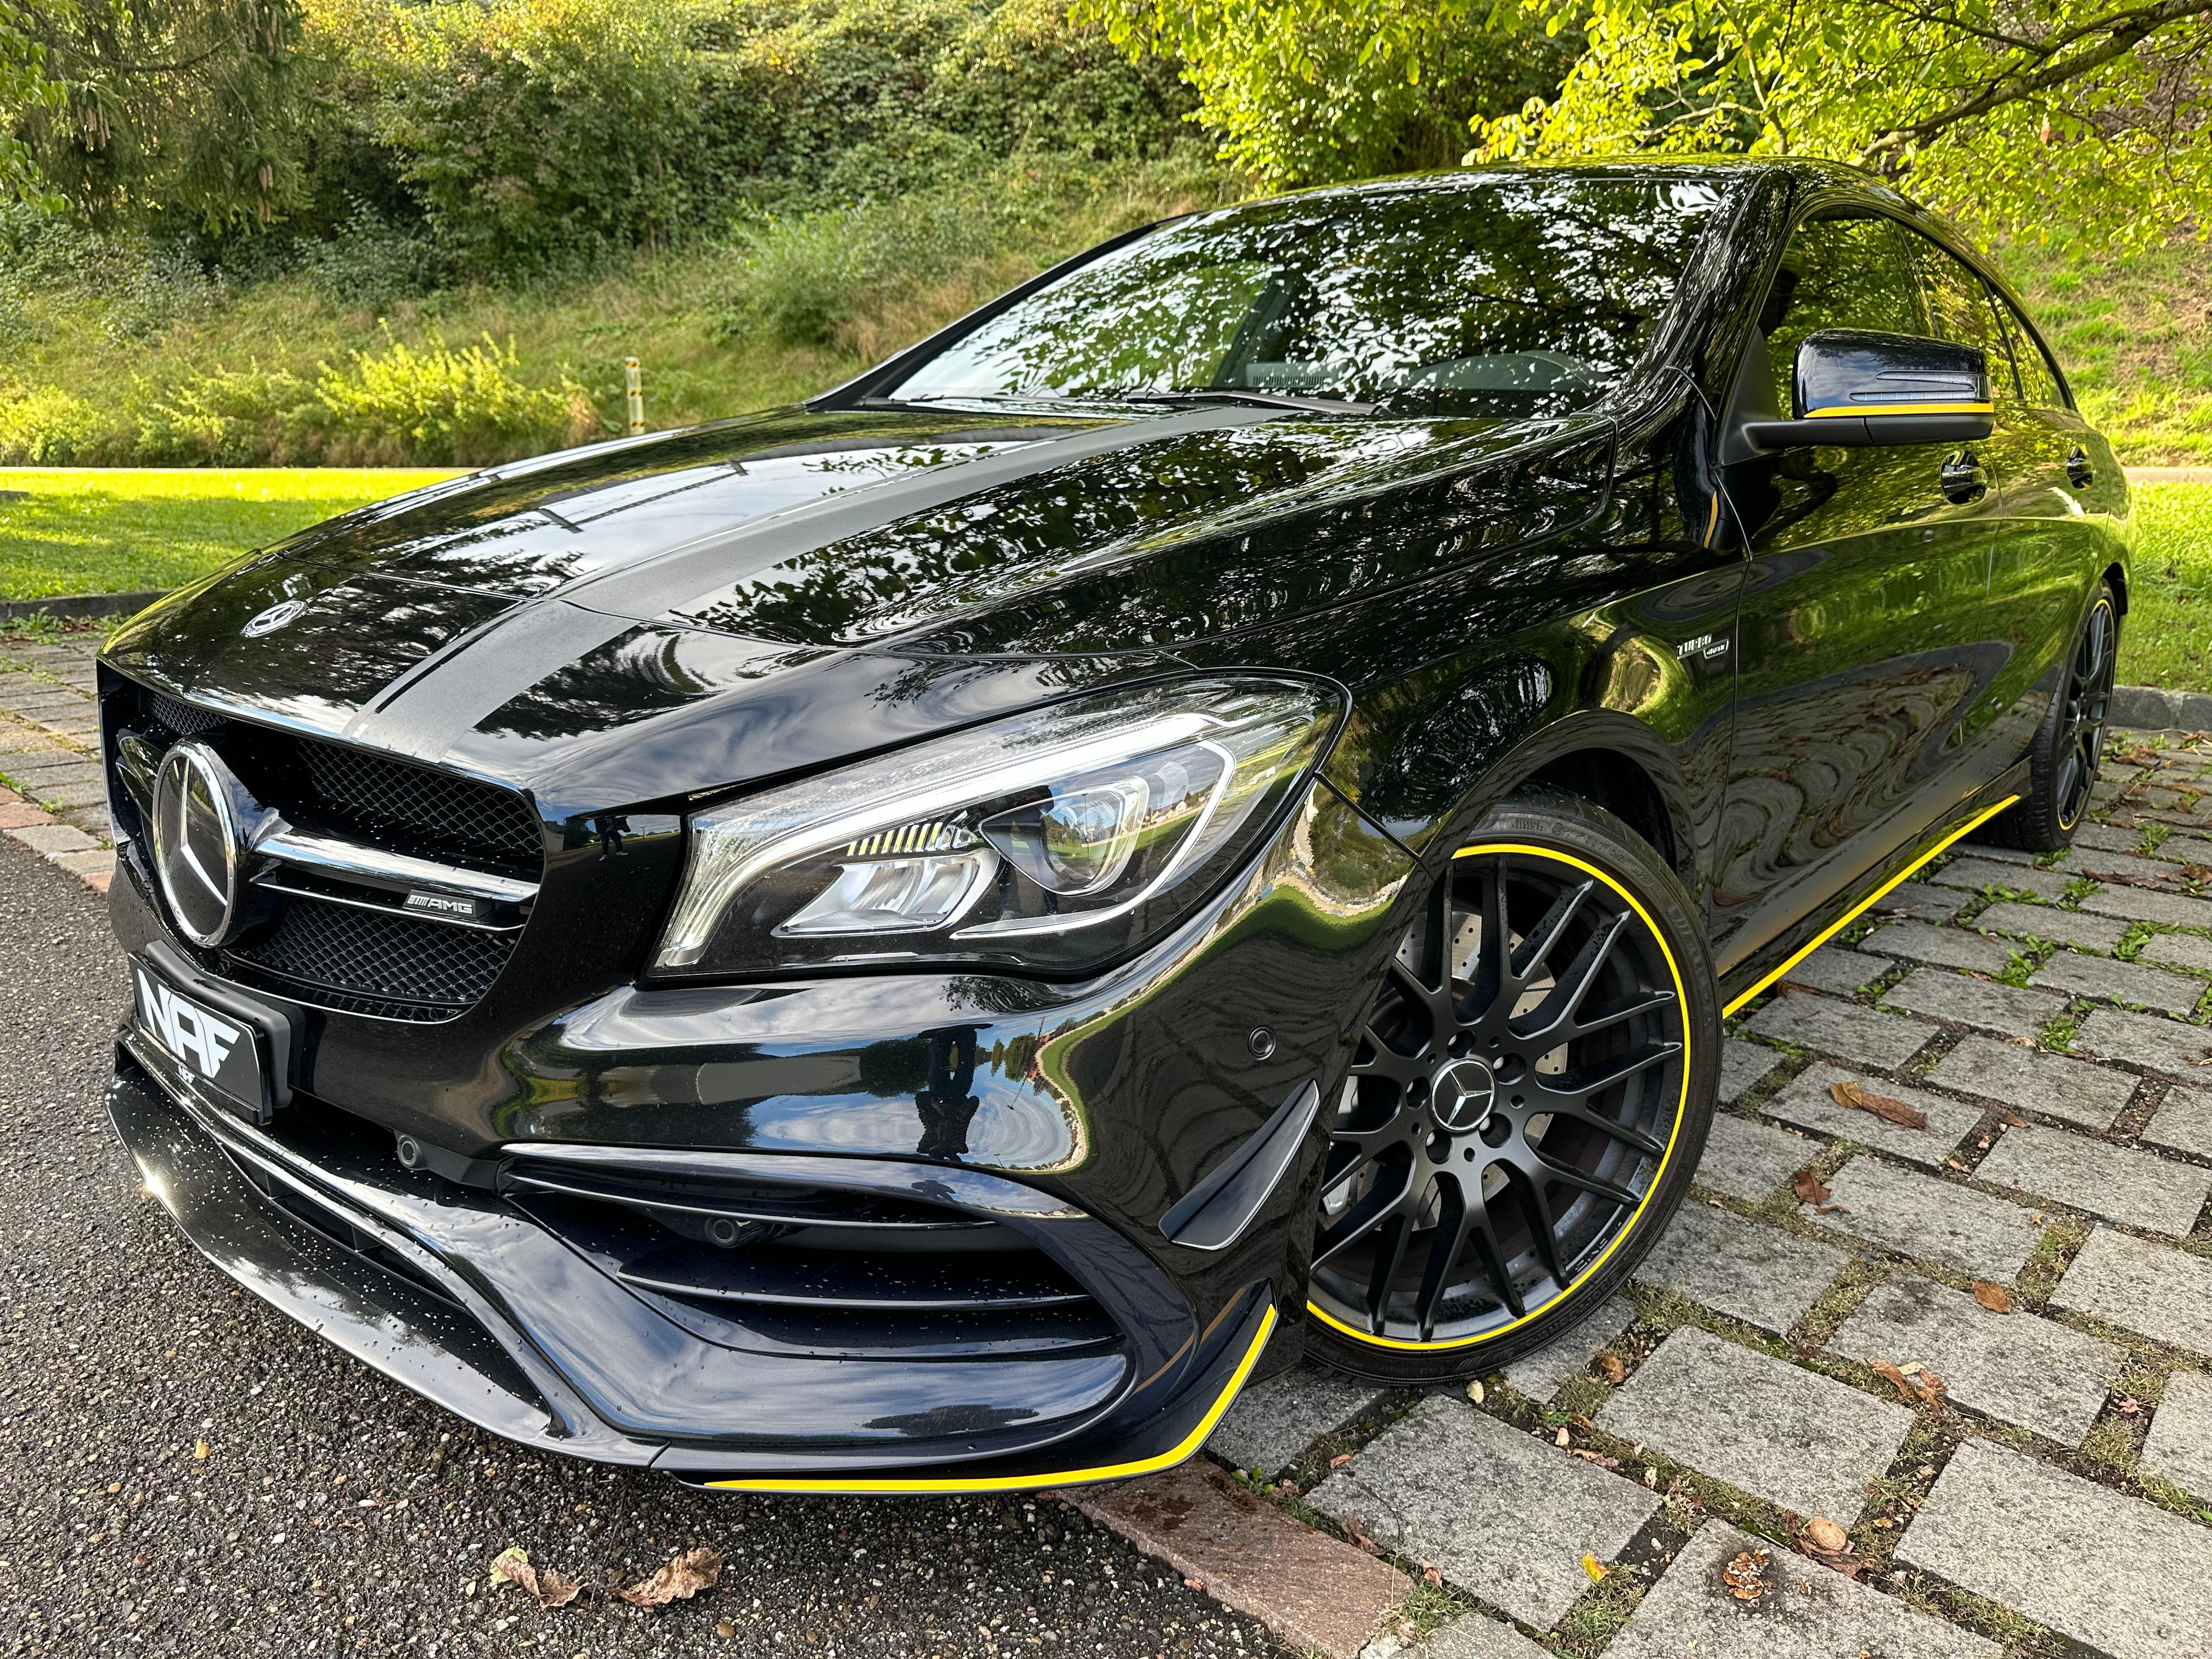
{"points": [[2038, 376], [1961, 309], [1837, 273]]}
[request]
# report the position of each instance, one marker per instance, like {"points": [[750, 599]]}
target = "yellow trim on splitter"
{"points": [[1862, 906], [926, 1485], [1901, 409], [1681, 1001]]}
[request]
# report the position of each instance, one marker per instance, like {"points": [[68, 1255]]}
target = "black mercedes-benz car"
{"points": [[1212, 809]]}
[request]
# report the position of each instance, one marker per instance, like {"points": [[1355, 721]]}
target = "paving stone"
{"points": [[1749, 1160], [2083, 932], [1690, 1614], [2143, 904], [1842, 1029], [2100, 864], [2183, 1123], [1931, 1220], [2137, 1188], [1542, 1374], [2102, 838], [1320, 1594], [1918, 901], [2180, 1445], [1990, 849], [1807, 1104], [2115, 1572], [1792, 1437], [1475, 1636], [1502, 1514], [1948, 947], [2162, 1293], [1744, 1269], [2185, 849], [1978, 873], [1982, 1002], [53, 839], [2119, 982], [2036, 1080], [2033, 1372], [1274, 1422], [2146, 1040], [1743, 1064], [1831, 968], [2180, 950]]}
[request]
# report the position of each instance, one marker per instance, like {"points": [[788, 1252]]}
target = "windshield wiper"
{"points": [[1238, 395]]}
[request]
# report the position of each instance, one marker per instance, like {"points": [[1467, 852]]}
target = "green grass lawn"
{"points": [[92, 531], [2167, 638], [89, 530]]}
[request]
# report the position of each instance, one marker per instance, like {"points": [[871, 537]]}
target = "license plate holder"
{"points": [[232, 1048]]}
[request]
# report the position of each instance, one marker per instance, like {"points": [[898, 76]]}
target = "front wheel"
{"points": [[2070, 742], [1529, 1096]]}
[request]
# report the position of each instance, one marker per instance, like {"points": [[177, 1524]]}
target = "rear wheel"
{"points": [[2070, 742], [1529, 1096]]}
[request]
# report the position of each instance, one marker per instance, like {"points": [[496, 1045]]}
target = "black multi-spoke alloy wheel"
{"points": [[1529, 1094], [2062, 764]]}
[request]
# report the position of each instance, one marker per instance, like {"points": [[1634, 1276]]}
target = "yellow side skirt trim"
{"points": [[925, 1485], [1864, 905], [1901, 409]]}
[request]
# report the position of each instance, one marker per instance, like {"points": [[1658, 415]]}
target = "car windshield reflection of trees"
{"points": [[1496, 294]]}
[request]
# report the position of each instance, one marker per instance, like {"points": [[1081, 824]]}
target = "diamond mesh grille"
{"points": [[345, 948], [418, 805]]}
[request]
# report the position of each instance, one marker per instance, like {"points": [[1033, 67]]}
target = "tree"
{"points": [[2060, 116], [131, 108]]}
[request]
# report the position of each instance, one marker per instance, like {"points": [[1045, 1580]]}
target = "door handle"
{"points": [[2078, 469], [1963, 479]]}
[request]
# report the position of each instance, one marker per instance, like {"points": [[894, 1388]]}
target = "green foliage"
{"points": [[1316, 91], [45, 426], [441, 405], [226, 418]]}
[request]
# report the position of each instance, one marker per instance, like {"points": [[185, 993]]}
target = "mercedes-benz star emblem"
{"points": [[1462, 1093], [269, 621], [198, 843]]}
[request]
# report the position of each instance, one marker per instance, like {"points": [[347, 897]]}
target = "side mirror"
{"points": [[1858, 388]]}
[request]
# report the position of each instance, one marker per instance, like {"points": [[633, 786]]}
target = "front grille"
{"points": [[414, 804], [376, 961], [819, 1269], [337, 947]]}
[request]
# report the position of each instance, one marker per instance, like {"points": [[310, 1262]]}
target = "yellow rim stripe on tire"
{"points": [[1681, 1001]]}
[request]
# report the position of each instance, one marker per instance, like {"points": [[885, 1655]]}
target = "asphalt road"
{"points": [[186, 1472]]}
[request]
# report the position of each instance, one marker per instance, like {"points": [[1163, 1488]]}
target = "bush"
{"points": [[45, 426], [441, 407], [229, 418]]}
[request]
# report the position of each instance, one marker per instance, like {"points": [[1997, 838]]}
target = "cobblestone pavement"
{"points": [[52, 797], [2030, 1482], [1984, 1354]]}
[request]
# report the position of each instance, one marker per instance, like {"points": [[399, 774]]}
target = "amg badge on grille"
{"points": [[441, 904]]}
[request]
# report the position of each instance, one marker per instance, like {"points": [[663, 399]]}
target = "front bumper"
{"points": [[463, 1296]]}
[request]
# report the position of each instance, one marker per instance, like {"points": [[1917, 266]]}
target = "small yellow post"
{"points": [[634, 393]]}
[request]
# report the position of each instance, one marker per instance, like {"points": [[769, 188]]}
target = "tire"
{"points": [[1602, 911], [2070, 742]]}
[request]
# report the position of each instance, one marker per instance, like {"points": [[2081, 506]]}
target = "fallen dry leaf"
{"points": [[680, 1580], [1593, 1567], [2197, 871], [1431, 1575], [1360, 1538], [2012, 1120], [1613, 1370], [548, 1587], [1995, 1297], [1859, 1098], [2129, 1407], [1474, 1391], [1808, 1187], [1560, 1438], [1914, 1381], [1829, 1544], [1194, 1583], [1340, 1460], [1896, 1379], [1598, 1458], [1745, 1578]]}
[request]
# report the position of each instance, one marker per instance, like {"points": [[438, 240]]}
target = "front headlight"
{"points": [[1055, 841]]}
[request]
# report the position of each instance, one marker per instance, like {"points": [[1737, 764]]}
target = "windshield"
{"points": [[1479, 294]]}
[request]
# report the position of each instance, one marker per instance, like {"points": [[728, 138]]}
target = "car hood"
{"points": [[645, 619]]}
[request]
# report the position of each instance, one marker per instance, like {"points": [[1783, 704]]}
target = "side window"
{"points": [[1837, 273], [2038, 377], [1962, 310]]}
